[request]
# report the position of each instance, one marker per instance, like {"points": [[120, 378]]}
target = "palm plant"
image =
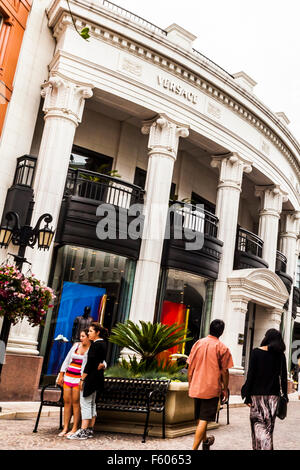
{"points": [[148, 339]]}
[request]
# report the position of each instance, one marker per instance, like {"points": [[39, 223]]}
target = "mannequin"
{"points": [[81, 322]]}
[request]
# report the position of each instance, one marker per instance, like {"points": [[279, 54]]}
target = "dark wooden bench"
{"points": [[136, 396], [59, 403]]}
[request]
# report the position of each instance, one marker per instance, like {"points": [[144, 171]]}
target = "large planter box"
{"points": [[179, 417]]}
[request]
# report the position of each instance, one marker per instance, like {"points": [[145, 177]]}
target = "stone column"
{"points": [[288, 246], [271, 198], [266, 318], [236, 328], [63, 108], [164, 136], [231, 170]]}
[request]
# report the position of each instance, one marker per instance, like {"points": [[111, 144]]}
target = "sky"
{"points": [[259, 37]]}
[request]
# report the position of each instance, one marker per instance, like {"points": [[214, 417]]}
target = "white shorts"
{"points": [[88, 406]]}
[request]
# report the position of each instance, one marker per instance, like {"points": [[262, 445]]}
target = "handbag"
{"points": [[282, 402]]}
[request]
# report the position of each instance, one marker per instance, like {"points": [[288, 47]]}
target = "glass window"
{"points": [[106, 290], [298, 274], [184, 303], [84, 159]]}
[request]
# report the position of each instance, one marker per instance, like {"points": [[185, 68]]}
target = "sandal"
{"points": [[62, 434]]}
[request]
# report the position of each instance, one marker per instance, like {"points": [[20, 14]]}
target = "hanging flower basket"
{"points": [[23, 297]]}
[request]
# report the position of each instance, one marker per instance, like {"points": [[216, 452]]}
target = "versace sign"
{"points": [[177, 89]]}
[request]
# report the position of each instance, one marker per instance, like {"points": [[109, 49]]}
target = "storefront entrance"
{"points": [[248, 335], [83, 277]]}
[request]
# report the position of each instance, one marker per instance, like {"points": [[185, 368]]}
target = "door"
{"points": [[248, 335]]}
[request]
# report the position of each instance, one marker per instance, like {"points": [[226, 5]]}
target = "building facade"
{"points": [[13, 18], [179, 131]]}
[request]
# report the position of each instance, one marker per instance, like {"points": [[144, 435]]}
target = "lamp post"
{"points": [[23, 237]]}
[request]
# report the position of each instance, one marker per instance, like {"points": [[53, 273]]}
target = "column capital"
{"points": [[164, 134], [231, 168], [239, 304], [65, 98], [271, 198], [290, 224], [275, 314]]}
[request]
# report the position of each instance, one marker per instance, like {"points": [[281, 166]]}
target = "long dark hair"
{"points": [[273, 339], [103, 332]]}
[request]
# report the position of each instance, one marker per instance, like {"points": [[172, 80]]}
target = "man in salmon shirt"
{"points": [[208, 375]]}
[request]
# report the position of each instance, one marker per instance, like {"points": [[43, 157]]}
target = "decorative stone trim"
{"points": [[258, 285], [231, 168], [164, 135], [64, 98], [271, 198], [194, 79]]}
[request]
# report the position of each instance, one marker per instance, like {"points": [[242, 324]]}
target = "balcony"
{"points": [[248, 251], [186, 221], [84, 192], [102, 188], [280, 269]]}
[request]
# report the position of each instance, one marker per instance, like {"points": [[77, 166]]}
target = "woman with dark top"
{"points": [[262, 388], [92, 380]]}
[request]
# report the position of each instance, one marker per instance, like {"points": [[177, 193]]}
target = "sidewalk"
{"points": [[16, 434], [29, 409]]}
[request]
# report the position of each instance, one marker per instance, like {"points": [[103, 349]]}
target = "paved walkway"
{"points": [[17, 434]]}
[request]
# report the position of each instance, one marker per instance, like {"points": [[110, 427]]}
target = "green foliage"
{"points": [[148, 339], [84, 33], [103, 170], [157, 370]]}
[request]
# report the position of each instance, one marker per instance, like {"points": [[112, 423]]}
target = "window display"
{"points": [[90, 285], [183, 302]]}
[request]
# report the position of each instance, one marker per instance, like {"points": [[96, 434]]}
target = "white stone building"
{"points": [[174, 125]]}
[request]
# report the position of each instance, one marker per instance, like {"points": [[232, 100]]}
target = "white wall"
{"points": [[32, 69]]}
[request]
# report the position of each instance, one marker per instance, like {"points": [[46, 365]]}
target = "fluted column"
{"points": [[289, 247], [271, 198], [63, 108], [239, 309], [231, 170], [164, 136]]}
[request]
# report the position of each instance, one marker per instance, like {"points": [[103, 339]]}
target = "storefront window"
{"points": [[85, 278], [185, 302], [84, 159]]}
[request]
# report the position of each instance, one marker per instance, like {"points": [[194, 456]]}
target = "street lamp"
{"points": [[26, 235], [23, 237]]}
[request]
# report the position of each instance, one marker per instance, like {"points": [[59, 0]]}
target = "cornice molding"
{"points": [[177, 69]]}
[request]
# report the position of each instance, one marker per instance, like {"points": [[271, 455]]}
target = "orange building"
{"points": [[13, 18]]}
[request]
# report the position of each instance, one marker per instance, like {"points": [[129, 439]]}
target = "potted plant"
{"points": [[146, 341]]}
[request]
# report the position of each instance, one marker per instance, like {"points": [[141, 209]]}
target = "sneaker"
{"points": [[90, 433], [80, 434], [209, 442]]}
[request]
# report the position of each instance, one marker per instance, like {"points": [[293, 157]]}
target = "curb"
{"points": [[26, 414]]}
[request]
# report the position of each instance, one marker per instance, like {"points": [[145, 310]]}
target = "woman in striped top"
{"points": [[69, 378]]}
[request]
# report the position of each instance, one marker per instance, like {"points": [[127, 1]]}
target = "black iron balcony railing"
{"points": [[102, 188], [249, 242], [193, 218], [133, 17], [281, 262]]}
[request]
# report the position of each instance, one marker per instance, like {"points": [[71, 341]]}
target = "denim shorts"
{"points": [[88, 406]]}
